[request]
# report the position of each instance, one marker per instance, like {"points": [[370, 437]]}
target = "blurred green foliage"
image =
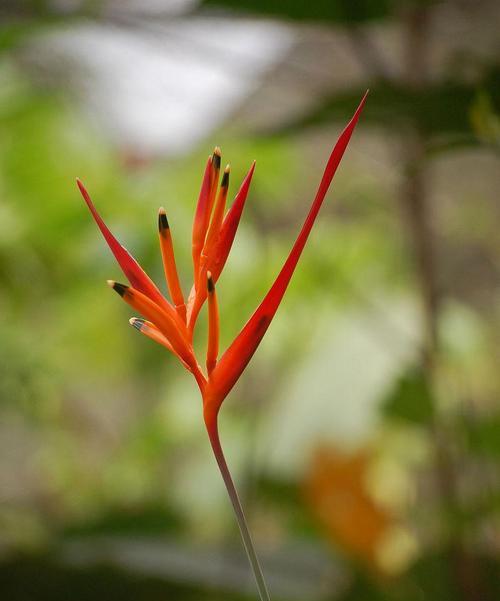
{"points": [[441, 111], [340, 11], [411, 399], [100, 431]]}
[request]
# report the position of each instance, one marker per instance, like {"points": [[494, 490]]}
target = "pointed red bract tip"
{"points": [[130, 267], [235, 359]]}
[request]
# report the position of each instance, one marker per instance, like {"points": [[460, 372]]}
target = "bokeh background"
{"points": [[365, 433]]}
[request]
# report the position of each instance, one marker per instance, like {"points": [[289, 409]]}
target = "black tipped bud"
{"points": [[120, 288], [225, 178], [210, 283], [162, 221], [137, 323], [216, 158]]}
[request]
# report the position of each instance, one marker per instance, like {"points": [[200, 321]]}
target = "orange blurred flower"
{"points": [[335, 488]]}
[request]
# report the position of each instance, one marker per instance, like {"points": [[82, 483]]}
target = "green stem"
{"points": [[213, 434]]}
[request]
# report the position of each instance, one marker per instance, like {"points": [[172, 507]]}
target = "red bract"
{"points": [[172, 324]]}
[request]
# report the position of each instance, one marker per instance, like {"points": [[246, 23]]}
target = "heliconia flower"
{"points": [[172, 324]]}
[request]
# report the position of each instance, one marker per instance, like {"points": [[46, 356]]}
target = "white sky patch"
{"points": [[160, 88], [334, 396]]}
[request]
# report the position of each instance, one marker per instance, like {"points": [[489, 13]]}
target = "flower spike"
{"points": [[169, 266], [212, 238], [213, 325], [218, 215]]}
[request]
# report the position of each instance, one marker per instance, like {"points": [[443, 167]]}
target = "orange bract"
{"points": [[213, 325], [171, 275]]}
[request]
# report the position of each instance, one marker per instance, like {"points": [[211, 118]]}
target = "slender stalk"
{"points": [[213, 434]]}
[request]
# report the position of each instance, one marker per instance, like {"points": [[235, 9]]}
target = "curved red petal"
{"points": [[235, 359]]}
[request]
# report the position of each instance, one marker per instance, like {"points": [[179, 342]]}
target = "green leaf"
{"points": [[411, 399], [437, 110], [320, 10], [483, 437]]}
